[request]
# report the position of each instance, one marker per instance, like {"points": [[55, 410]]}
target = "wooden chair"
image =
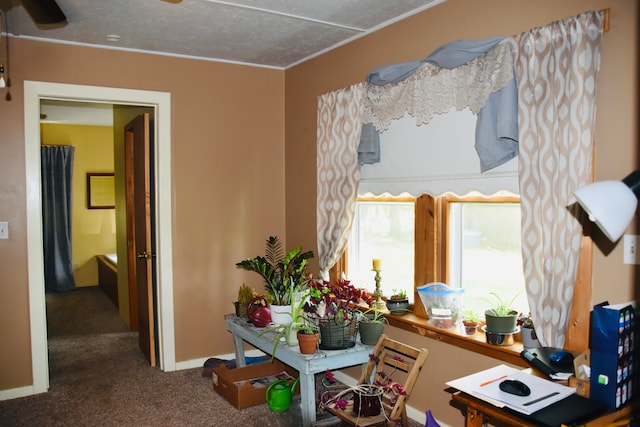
{"points": [[390, 361]]}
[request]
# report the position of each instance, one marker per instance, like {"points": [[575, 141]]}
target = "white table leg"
{"points": [[308, 399], [239, 350]]}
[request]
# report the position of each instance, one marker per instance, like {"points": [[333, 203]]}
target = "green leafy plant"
{"points": [[399, 294], [299, 322], [501, 307], [372, 316], [281, 272], [305, 327], [471, 316]]}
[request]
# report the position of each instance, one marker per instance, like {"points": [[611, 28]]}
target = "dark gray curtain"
{"points": [[57, 167]]}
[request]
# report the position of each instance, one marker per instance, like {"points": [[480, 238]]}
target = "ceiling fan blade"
{"points": [[44, 11]]}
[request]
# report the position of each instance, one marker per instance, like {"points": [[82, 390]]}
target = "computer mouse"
{"points": [[560, 357], [515, 387]]}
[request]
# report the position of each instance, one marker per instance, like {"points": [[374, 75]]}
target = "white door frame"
{"points": [[161, 101]]}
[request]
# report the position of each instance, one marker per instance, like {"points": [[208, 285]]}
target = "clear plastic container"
{"points": [[442, 304]]}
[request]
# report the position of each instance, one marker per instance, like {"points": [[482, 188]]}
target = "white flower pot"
{"points": [[281, 314], [529, 338]]}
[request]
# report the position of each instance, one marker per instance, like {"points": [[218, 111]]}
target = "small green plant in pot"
{"points": [[501, 318], [371, 326], [471, 320], [398, 303], [527, 331], [308, 336]]}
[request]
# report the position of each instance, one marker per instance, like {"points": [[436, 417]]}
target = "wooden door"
{"points": [[140, 253]]}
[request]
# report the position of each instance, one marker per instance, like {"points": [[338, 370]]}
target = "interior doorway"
{"points": [[160, 102], [111, 141]]}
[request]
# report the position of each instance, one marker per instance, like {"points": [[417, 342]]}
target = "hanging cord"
{"points": [[4, 24]]}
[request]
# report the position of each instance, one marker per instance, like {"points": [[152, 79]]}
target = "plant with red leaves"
{"points": [[334, 301]]}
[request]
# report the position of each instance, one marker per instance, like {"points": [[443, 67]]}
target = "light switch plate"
{"points": [[631, 249], [4, 230]]}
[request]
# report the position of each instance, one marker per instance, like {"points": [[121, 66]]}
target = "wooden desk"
{"points": [[307, 365], [479, 412]]}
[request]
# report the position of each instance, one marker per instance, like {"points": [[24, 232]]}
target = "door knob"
{"points": [[145, 255]]}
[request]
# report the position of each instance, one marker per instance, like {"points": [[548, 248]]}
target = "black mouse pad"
{"points": [[572, 410], [543, 353]]}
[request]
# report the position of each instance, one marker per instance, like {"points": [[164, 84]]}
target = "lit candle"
{"points": [[377, 264]]}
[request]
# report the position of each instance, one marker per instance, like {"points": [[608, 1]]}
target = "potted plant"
{"points": [[371, 325], [367, 397], [330, 308], [471, 321], [282, 273], [289, 331], [527, 331], [245, 294], [398, 303], [501, 318], [308, 337]]}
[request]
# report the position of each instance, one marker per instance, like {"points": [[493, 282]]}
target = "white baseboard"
{"points": [[15, 393]]}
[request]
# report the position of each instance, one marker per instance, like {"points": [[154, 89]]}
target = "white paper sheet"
{"points": [[470, 383], [485, 385]]}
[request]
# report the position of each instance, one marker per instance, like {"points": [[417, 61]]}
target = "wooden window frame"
{"points": [[430, 266]]}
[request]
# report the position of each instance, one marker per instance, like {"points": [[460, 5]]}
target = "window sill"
{"points": [[476, 343]]}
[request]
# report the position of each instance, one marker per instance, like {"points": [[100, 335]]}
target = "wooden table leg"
{"points": [[475, 418]]}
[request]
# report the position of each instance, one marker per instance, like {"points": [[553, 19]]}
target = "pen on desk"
{"points": [[541, 398], [492, 381]]}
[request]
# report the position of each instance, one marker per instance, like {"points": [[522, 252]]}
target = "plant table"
{"points": [[306, 364]]}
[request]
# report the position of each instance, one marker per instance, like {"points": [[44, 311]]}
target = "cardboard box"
{"points": [[245, 387]]}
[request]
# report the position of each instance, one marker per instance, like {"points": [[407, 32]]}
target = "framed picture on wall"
{"points": [[101, 192]]}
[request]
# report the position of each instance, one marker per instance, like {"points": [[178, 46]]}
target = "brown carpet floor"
{"points": [[99, 377]]}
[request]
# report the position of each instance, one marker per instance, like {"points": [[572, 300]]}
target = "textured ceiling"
{"points": [[267, 33]]}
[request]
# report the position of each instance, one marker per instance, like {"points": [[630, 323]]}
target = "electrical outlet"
{"points": [[631, 249], [4, 230]]}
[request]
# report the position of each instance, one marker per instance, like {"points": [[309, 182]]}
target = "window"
{"points": [[471, 242], [384, 229], [484, 250]]}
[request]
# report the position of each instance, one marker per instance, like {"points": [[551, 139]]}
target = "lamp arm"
{"points": [[633, 182]]}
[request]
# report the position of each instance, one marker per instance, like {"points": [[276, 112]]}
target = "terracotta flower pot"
{"points": [[308, 342], [470, 328]]}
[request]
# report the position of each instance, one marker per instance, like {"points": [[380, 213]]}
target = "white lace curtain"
{"points": [[556, 70], [433, 90]]}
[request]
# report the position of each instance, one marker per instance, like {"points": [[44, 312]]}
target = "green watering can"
{"points": [[279, 394]]}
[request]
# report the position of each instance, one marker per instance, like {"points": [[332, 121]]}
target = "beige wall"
{"points": [[227, 136], [229, 163], [93, 230], [616, 133]]}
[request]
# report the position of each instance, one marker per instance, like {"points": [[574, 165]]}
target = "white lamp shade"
{"points": [[610, 204]]}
